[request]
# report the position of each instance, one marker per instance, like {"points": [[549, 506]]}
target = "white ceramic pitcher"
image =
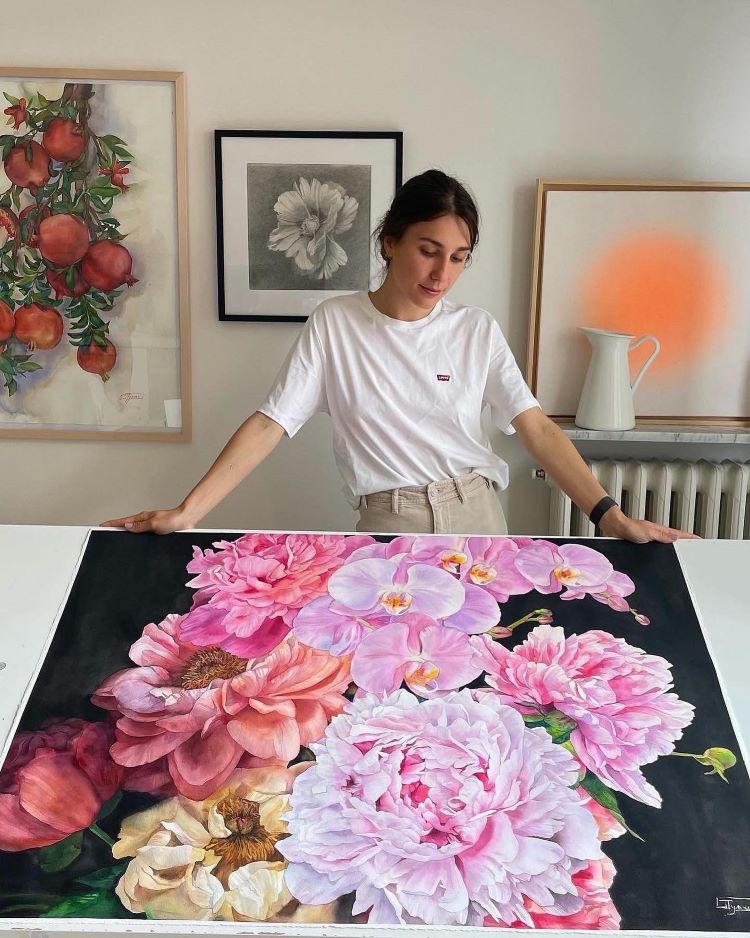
{"points": [[607, 398]]}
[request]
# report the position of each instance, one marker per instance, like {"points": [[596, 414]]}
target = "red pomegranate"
{"points": [[63, 239], [99, 361], [38, 327], [107, 265], [56, 279], [7, 321], [24, 172], [9, 227], [63, 139]]}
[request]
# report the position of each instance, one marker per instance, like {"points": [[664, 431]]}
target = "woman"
{"points": [[404, 374]]}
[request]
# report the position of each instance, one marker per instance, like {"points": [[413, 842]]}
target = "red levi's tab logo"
{"points": [[443, 377]]}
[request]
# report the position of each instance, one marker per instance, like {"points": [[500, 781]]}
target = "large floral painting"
{"points": [[298, 728]]}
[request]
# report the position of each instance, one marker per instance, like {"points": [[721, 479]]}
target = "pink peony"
{"points": [[54, 782], [428, 656], [250, 590], [442, 812], [550, 567], [592, 884], [617, 695], [206, 709]]}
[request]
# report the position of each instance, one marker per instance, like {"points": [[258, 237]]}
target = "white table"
{"points": [[36, 568]]}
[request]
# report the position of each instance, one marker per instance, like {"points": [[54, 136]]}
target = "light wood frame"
{"points": [[549, 185], [183, 434]]}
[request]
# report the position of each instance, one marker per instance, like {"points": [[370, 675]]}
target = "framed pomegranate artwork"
{"points": [[94, 336]]}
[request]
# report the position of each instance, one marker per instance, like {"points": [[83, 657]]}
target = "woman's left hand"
{"points": [[616, 523]]}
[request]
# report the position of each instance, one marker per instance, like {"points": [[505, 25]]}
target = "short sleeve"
{"points": [[506, 392], [299, 389]]}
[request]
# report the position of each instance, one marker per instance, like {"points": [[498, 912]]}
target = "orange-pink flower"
{"points": [[209, 711]]}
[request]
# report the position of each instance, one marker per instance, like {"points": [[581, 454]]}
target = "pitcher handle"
{"points": [[634, 345]]}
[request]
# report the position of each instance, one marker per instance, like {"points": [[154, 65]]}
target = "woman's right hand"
{"points": [[162, 521]]}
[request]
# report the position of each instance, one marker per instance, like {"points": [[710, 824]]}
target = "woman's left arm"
{"points": [[553, 451]]}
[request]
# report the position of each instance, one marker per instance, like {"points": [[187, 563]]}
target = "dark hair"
{"points": [[422, 198]]}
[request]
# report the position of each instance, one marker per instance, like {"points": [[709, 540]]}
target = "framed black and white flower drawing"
{"points": [[294, 215]]}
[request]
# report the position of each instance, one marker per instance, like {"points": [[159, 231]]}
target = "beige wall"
{"points": [[495, 92]]}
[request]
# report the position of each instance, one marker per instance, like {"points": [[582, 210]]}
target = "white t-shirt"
{"points": [[405, 398]]}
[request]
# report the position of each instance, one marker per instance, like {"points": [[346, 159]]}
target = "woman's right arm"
{"points": [[247, 448]]}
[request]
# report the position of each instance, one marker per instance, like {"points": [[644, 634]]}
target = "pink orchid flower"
{"points": [[382, 586], [417, 650], [550, 567]]}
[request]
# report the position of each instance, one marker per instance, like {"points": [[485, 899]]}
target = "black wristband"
{"points": [[599, 509]]}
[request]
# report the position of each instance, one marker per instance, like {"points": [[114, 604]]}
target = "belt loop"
{"points": [[460, 488], [362, 502], [394, 501]]}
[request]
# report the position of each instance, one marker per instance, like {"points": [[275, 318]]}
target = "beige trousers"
{"points": [[466, 504]]}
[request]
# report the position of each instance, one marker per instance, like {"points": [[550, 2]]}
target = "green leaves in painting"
{"points": [[58, 856], [606, 798]]}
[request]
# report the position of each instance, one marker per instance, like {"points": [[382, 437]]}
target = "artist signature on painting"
{"points": [[127, 397], [731, 905]]}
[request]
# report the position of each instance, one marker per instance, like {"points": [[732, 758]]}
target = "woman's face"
{"points": [[428, 259]]}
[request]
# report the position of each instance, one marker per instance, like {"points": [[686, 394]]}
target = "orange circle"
{"points": [[661, 283]]}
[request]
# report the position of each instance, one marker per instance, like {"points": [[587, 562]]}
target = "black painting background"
{"points": [[697, 845]]}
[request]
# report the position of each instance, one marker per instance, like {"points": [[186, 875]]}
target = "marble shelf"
{"points": [[650, 433]]}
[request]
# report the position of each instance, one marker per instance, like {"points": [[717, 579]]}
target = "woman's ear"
{"points": [[388, 242]]}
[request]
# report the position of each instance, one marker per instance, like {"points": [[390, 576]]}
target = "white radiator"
{"points": [[707, 498]]}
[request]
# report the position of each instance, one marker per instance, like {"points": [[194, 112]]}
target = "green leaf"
{"points": [[44, 102], [105, 878], [57, 856], [606, 798], [12, 387], [15, 199], [6, 366], [107, 808], [112, 141], [100, 340], [10, 99], [559, 726], [533, 719], [103, 189], [30, 366], [97, 904]]}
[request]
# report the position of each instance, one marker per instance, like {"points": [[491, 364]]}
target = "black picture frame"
{"points": [[254, 169]]}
